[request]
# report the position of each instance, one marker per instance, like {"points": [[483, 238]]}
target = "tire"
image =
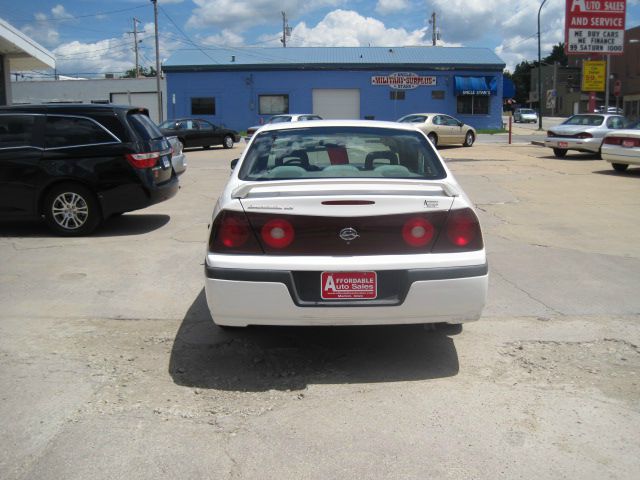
{"points": [[469, 138], [620, 167], [71, 209], [227, 141], [560, 152], [434, 139]]}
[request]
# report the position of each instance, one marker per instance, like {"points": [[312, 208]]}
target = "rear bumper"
{"points": [[628, 156], [179, 163], [239, 297], [582, 145], [126, 198]]}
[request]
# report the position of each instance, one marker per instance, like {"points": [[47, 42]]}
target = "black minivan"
{"points": [[76, 164]]}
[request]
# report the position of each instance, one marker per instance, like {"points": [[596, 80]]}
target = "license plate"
{"points": [[348, 285], [563, 144], [628, 143], [165, 162]]}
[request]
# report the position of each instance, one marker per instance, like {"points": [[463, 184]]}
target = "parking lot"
{"points": [[112, 368]]}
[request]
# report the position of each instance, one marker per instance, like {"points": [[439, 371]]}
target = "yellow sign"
{"points": [[594, 74]]}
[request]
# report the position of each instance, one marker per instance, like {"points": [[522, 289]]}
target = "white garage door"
{"points": [[148, 100], [338, 103]]}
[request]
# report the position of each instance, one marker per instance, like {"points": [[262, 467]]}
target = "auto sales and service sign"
{"points": [[403, 80], [594, 26]]}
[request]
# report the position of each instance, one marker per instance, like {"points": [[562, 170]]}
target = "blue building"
{"points": [[240, 87]]}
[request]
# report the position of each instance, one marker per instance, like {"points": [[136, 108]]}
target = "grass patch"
{"points": [[492, 131]]}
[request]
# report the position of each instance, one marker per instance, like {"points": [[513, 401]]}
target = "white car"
{"points": [[583, 132], [622, 148], [284, 118], [525, 115], [178, 158], [343, 223]]}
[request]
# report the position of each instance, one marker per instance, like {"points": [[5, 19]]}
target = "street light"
{"points": [[540, 71]]}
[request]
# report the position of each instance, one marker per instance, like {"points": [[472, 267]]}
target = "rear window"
{"points": [[590, 120], [339, 152], [526, 110], [282, 119], [144, 127]]}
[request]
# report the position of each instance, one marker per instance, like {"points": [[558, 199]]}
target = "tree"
{"points": [[144, 72], [557, 55], [522, 81]]}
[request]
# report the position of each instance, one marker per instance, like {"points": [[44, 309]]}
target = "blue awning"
{"points": [[508, 88], [475, 85]]}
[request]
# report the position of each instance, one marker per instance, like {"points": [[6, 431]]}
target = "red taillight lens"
{"points": [[584, 135], [143, 160], [417, 232], [461, 233], [231, 233], [613, 140], [277, 233], [624, 141]]}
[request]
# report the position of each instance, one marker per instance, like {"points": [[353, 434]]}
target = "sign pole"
{"points": [[606, 86]]}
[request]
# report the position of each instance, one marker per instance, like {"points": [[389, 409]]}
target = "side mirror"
{"points": [[234, 162], [460, 124]]}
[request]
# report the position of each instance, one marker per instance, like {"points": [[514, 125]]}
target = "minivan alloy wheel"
{"points": [[70, 210]]}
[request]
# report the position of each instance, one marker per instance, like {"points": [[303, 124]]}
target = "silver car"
{"points": [[178, 158], [583, 132], [525, 115]]}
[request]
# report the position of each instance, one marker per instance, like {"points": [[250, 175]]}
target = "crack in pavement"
{"points": [[517, 287]]}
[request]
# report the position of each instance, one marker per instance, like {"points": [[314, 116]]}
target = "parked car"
{"points": [[442, 129], [76, 165], [525, 115], [583, 132], [194, 132], [343, 223], [178, 158], [293, 117], [621, 148]]}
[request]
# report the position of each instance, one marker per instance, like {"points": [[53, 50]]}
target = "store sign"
{"points": [[484, 93], [594, 26], [403, 80], [594, 75]]}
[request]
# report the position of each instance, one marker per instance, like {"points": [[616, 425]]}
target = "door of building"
{"points": [[337, 103]]}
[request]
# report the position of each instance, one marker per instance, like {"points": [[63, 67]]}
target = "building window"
{"points": [[203, 106], [273, 104], [396, 94], [437, 94], [473, 104]]}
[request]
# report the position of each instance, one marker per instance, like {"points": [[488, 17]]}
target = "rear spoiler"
{"points": [[417, 188]]}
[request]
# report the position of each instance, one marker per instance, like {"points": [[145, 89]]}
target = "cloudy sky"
{"points": [[91, 36]]}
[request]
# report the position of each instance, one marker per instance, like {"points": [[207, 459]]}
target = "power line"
{"points": [[115, 46], [75, 17], [185, 35]]}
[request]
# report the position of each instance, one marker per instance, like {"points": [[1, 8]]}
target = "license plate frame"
{"points": [[355, 285], [563, 144]]}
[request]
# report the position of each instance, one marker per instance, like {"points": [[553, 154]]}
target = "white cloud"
{"points": [[385, 7], [346, 28], [224, 38], [241, 14], [59, 12]]}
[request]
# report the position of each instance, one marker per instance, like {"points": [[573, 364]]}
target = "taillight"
{"points": [[417, 232], [461, 233], [277, 233], [624, 141], [584, 135], [145, 160], [550, 134], [613, 140], [231, 233]]}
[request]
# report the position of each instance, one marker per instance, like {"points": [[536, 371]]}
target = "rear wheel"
{"points": [[434, 139], [71, 209], [469, 138], [620, 167], [227, 141], [560, 152]]}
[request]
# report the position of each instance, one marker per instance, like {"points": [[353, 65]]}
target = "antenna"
{"points": [[286, 30]]}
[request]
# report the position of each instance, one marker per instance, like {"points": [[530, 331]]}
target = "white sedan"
{"points": [[343, 223], [622, 148]]}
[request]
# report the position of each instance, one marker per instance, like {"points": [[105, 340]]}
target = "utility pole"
{"points": [[286, 30], [159, 91], [540, 71], [606, 87], [433, 28], [555, 86], [135, 44]]}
